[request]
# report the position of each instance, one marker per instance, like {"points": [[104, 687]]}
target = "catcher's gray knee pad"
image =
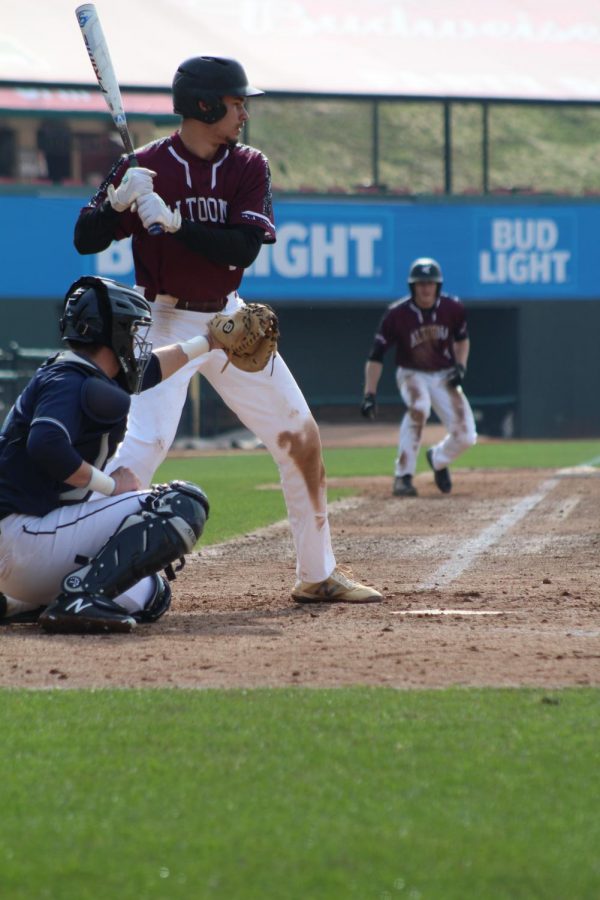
{"points": [[167, 526]]}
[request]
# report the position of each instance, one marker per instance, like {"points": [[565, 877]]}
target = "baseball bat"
{"points": [[97, 48]]}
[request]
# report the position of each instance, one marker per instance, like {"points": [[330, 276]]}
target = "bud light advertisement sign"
{"points": [[346, 250]]}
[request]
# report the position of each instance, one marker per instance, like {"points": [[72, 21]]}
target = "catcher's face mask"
{"points": [[133, 352]]}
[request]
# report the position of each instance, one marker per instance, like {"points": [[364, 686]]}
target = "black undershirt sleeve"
{"points": [[236, 246], [95, 228], [377, 353]]}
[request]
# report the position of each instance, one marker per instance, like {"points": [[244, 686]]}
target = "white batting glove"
{"points": [[135, 182], [153, 210]]}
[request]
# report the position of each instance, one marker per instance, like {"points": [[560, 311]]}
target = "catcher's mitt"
{"points": [[248, 336]]}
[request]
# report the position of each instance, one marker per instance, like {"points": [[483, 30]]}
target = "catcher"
{"points": [[73, 565], [212, 198]]}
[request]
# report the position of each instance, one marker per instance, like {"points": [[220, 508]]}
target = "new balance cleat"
{"points": [[86, 615], [335, 589]]}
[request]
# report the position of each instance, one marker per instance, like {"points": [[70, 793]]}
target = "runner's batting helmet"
{"points": [[102, 311], [425, 269], [208, 79]]}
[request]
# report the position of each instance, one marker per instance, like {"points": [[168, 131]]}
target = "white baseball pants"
{"points": [[422, 391], [37, 552], [268, 403]]}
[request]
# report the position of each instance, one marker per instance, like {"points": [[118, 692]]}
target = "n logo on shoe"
{"points": [[78, 605]]}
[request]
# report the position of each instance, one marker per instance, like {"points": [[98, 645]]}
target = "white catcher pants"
{"points": [[36, 552], [268, 403], [422, 391]]}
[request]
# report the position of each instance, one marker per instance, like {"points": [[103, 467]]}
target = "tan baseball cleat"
{"points": [[335, 589]]}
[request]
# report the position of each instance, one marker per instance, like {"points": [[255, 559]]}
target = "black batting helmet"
{"points": [[425, 269], [102, 311], [208, 79]]}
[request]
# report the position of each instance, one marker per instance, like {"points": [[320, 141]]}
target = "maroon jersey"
{"points": [[423, 337], [232, 189]]}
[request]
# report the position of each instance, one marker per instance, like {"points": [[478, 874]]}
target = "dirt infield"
{"points": [[495, 584]]}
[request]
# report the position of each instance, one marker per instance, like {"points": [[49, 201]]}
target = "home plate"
{"points": [[448, 612]]}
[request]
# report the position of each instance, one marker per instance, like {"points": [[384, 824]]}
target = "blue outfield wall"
{"points": [[357, 251], [350, 257]]}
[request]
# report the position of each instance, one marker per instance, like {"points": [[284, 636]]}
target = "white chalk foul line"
{"points": [[585, 470], [467, 552]]}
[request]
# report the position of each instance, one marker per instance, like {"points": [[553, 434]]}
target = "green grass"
{"points": [[503, 454], [297, 793], [233, 483], [326, 145], [548, 149]]}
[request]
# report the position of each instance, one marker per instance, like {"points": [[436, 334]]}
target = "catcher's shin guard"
{"points": [[167, 526], [158, 603]]}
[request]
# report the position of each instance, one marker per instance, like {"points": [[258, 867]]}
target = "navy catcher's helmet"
{"points": [[425, 269], [102, 311], [208, 79]]}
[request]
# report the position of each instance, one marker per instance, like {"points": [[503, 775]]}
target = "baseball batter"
{"points": [[429, 331], [81, 565], [212, 197]]}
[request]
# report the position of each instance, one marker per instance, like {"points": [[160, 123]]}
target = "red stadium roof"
{"points": [[72, 100]]}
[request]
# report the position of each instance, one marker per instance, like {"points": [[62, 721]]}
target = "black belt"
{"points": [[196, 305]]}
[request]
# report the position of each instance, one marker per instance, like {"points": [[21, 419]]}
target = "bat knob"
{"points": [[155, 229]]}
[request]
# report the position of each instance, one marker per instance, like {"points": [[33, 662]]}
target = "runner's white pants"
{"points": [[268, 403], [422, 391], [36, 552]]}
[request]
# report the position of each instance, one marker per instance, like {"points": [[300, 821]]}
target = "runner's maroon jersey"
{"points": [[232, 189], [423, 337]]}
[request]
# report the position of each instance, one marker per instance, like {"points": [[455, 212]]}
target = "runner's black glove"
{"points": [[368, 407], [457, 375]]}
